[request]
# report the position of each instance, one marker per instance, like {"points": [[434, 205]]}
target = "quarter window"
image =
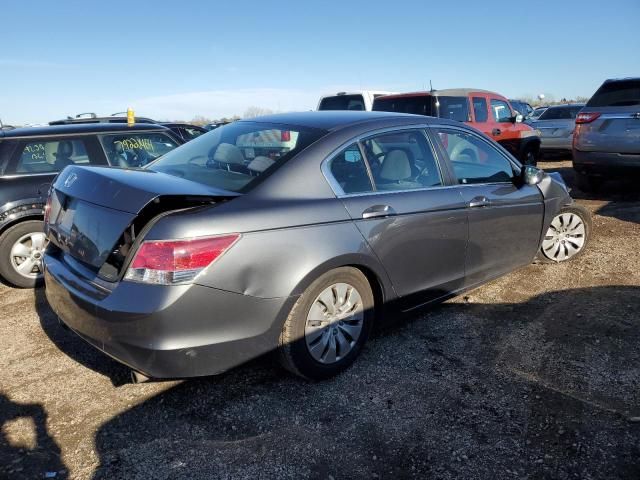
{"points": [[473, 159], [51, 156], [501, 111], [136, 149], [480, 109], [402, 161], [350, 171]]}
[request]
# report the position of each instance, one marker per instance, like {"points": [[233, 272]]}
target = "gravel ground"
{"points": [[535, 375]]}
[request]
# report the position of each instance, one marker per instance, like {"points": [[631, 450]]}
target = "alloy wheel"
{"points": [[26, 255]]}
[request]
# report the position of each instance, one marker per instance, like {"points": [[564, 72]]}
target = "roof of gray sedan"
{"points": [[336, 119], [76, 128]]}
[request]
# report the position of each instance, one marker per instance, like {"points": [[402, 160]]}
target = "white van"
{"points": [[362, 100]]}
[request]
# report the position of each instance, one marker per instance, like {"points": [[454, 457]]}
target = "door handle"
{"points": [[479, 202], [496, 131], [378, 211]]}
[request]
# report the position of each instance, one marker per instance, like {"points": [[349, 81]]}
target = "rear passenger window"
{"points": [[136, 149], [480, 109], [402, 161], [474, 160], [51, 156], [349, 171]]}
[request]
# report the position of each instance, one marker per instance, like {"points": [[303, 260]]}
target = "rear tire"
{"points": [[568, 235], [328, 325], [15, 240]]}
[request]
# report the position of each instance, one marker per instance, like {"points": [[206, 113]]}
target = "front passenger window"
{"points": [[473, 159]]}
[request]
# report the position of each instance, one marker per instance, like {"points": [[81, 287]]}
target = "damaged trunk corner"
{"points": [[114, 267]]}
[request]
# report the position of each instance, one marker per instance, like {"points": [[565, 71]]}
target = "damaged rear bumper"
{"points": [[166, 331]]}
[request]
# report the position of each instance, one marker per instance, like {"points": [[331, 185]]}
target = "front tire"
{"points": [[567, 235], [328, 325], [21, 252]]}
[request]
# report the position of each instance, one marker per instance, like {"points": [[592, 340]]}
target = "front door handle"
{"points": [[479, 202], [378, 211], [496, 131]]}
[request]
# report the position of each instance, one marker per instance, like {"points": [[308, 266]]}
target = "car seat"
{"points": [[396, 173], [229, 156], [63, 155]]}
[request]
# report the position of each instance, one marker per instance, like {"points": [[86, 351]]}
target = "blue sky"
{"points": [[174, 60]]}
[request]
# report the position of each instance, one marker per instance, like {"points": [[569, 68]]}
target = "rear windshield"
{"points": [[237, 156], [560, 113], [620, 93], [342, 102], [453, 108]]}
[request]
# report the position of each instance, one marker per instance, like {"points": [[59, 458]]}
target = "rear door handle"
{"points": [[378, 211], [496, 131], [479, 202]]}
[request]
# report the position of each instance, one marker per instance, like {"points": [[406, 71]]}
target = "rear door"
{"points": [[393, 188], [505, 217], [617, 129]]}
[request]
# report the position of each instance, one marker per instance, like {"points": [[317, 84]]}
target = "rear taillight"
{"points": [[586, 117], [171, 262], [285, 136]]}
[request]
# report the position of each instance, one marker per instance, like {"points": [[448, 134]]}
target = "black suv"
{"points": [[184, 131], [30, 158]]}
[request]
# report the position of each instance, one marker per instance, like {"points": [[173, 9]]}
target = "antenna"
{"points": [[430, 86]]}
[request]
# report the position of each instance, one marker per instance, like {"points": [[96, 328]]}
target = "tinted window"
{"points": [[620, 93], [349, 171], [6, 152], [236, 156], [189, 133], [342, 102], [480, 109], [136, 149], [402, 161], [501, 111], [454, 108], [560, 113], [418, 105], [473, 159], [51, 156]]}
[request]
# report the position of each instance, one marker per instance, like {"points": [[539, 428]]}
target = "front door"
{"points": [[414, 223], [505, 217]]}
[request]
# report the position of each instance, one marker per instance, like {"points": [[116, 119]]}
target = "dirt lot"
{"points": [[535, 375]]}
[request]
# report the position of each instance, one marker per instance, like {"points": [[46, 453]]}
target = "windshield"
{"points": [[342, 102], [238, 156], [621, 93]]}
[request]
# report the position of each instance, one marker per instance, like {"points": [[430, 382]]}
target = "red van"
{"points": [[489, 112]]}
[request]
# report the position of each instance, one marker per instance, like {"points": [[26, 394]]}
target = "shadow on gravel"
{"points": [[28, 456], [543, 389], [72, 345]]}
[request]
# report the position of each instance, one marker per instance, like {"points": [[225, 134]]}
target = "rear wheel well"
{"points": [[375, 284], [18, 220]]}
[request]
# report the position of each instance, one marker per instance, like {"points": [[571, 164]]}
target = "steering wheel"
{"points": [[423, 173]]}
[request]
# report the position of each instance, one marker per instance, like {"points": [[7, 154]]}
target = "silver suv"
{"points": [[606, 142]]}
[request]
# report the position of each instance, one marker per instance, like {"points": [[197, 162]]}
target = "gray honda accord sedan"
{"points": [[291, 233]]}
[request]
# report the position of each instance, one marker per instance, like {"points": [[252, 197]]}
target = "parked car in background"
{"points": [[361, 100], [606, 142], [536, 113], [212, 126], [30, 158], [523, 108], [487, 111], [207, 257], [184, 131], [556, 126]]}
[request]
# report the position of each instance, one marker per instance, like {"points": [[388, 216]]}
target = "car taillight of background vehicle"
{"points": [[172, 262], [586, 117], [285, 136]]}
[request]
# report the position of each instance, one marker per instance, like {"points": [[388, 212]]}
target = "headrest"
{"points": [[260, 164], [227, 153], [396, 166]]}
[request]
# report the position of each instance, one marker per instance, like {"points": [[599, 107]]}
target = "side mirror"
{"points": [[532, 175], [519, 118]]}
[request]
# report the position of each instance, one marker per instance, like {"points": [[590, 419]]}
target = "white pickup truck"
{"points": [[357, 100]]}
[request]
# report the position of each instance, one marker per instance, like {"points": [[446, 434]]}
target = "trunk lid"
{"points": [[96, 213], [616, 130]]}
